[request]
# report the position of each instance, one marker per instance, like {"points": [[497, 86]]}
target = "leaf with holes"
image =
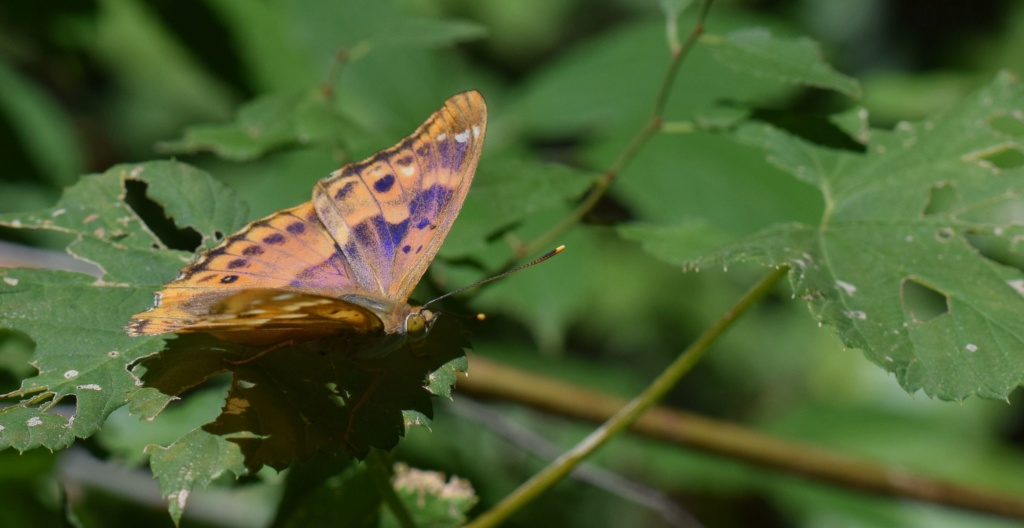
{"points": [[288, 405], [75, 320], [916, 259]]}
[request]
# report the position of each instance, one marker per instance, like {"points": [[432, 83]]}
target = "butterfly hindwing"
{"points": [[391, 212], [288, 251]]}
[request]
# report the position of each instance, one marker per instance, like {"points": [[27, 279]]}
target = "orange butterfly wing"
{"points": [[391, 213], [288, 251], [349, 259]]}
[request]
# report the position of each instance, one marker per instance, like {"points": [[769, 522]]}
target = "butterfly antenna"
{"points": [[480, 317]]}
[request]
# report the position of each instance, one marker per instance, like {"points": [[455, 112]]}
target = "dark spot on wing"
{"points": [[406, 248], [424, 222], [384, 184], [238, 263], [296, 228], [229, 279], [405, 161], [274, 239], [345, 189], [252, 251]]}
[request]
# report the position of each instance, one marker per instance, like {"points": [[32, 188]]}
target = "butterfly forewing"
{"points": [[390, 213]]}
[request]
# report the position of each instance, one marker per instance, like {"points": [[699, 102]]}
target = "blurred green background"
{"points": [[88, 84]]}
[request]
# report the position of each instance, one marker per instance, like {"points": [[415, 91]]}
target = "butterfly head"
{"points": [[418, 323]]}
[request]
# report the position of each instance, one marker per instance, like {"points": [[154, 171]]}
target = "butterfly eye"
{"points": [[415, 325]]}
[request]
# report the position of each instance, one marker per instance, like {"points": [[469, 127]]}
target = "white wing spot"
{"points": [[408, 171], [971, 347], [442, 136], [283, 297], [850, 289], [34, 421], [70, 374], [476, 131], [462, 137], [90, 386], [11, 281]]}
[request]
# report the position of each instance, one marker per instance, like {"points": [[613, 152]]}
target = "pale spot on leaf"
{"points": [[34, 421], [850, 289], [70, 374]]}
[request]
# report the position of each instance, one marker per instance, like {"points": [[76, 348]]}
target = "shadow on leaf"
{"points": [[301, 400]]}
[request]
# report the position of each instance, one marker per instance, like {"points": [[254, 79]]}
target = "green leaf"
{"points": [[561, 98], [506, 191], [430, 499], [196, 459], [707, 178], [266, 123], [290, 46], [75, 320], [854, 122], [676, 243], [760, 54], [905, 263]]}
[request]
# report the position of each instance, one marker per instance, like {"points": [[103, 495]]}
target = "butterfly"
{"points": [[344, 262]]}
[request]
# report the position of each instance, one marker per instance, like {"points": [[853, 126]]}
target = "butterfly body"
{"points": [[343, 263]]}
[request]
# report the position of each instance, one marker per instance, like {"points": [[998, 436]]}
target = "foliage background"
{"points": [[90, 84]]}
